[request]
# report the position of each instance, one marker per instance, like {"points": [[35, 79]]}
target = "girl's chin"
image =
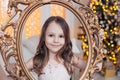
{"points": [[54, 51]]}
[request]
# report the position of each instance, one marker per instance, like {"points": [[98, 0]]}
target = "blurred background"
{"points": [[108, 12]]}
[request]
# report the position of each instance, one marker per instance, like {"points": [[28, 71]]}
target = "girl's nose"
{"points": [[56, 39]]}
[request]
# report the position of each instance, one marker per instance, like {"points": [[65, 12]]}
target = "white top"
{"points": [[54, 71]]}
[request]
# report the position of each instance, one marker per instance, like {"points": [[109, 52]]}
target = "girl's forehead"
{"points": [[55, 28], [54, 23]]}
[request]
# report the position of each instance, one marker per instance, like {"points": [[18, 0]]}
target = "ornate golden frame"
{"points": [[10, 44]]}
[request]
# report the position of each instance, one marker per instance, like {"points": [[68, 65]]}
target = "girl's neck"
{"points": [[52, 57]]}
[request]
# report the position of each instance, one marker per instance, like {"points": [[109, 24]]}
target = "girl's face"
{"points": [[54, 38]]}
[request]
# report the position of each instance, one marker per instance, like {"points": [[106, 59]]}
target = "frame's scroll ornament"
{"points": [[10, 44]]}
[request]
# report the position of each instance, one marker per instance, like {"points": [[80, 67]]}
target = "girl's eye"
{"points": [[50, 35], [61, 36]]}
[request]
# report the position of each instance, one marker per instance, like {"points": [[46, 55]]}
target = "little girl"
{"points": [[54, 57]]}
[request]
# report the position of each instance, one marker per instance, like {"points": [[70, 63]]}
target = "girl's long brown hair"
{"points": [[42, 54]]}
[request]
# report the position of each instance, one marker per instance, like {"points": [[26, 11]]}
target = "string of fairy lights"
{"points": [[106, 11], [82, 36], [85, 45]]}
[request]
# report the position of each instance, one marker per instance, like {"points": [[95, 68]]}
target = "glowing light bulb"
{"points": [[96, 3], [87, 53], [110, 57], [87, 46], [108, 44], [114, 62], [85, 40], [113, 55], [82, 37], [112, 45], [111, 30], [115, 28]]}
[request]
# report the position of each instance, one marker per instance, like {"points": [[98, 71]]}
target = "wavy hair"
{"points": [[42, 53]]}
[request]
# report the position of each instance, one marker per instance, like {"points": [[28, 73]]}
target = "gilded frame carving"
{"points": [[10, 44]]}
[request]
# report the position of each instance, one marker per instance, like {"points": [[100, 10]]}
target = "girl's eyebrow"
{"points": [[54, 33], [50, 32]]}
